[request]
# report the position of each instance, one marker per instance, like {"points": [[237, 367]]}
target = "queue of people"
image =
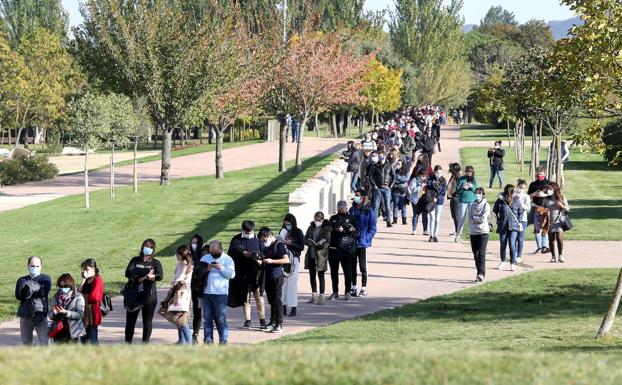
{"points": [[391, 169]]}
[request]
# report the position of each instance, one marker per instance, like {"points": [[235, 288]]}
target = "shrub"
{"points": [[26, 169]]}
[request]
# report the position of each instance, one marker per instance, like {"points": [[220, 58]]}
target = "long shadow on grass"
{"points": [[596, 208], [221, 220]]}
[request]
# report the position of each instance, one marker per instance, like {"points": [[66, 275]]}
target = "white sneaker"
{"points": [[518, 261], [501, 266], [512, 267], [414, 232], [561, 259]]}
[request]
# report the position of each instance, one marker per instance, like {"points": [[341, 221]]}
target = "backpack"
{"points": [[287, 268]]}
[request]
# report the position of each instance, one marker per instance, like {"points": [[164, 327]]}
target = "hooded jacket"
{"points": [[366, 219], [317, 245], [479, 214], [508, 217]]}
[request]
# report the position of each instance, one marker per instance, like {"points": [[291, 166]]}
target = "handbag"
{"points": [[347, 243], [520, 224], [566, 222], [180, 301], [55, 328], [179, 318], [132, 300], [105, 305]]}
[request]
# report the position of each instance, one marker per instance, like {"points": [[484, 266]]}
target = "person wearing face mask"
{"points": [[437, 186], [341, 250], [525, 201], [416, 189], [368, 144], [479, 229], [508, 210], [196, 245], [558, 208], [383, 180], [452, 195], [436, 132], [365, 216], [294, 239], [92, 288], [275, 255], [400, 191], [536, 192], [68, 309], [317, 239], [465, 189], [32, 291], [245, 249], [220, 269], [180, 287], [408, 147], [428, 143], [354, 165], [495, 157], [140, 294]]}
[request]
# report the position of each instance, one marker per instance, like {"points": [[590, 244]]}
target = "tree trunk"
{"points": [[282, 132], [333, 124], [613, 309], [87, 200], [558, 160], [19, 136], [317, 126], [507, 123], [166, 157], [522, 145], [361, 123], [298, 146], [112, 193], [155, 137], [135, 173], [220, 136]]}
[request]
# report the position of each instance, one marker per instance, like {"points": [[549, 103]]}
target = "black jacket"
{"points": [[495, 157], [349, 224], [137, 269], [246, 268], [32, 294], [383, 175], [298, 242], [354, 161]]}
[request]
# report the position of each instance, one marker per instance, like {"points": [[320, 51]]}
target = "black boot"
{"points": [[292, 312], [404, 221], [395, 221], [284, 309]]}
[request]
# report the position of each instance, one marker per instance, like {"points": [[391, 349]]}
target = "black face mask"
{"points": [[216, 256]]}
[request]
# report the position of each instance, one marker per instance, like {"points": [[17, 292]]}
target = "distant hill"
{"points": [[559, 28]]}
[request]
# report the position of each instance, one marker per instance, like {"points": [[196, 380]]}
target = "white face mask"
{"points": [[478, 197], [34, 271], [520, 190], [374, 159], [438, 174], [318, 223], [194, 246], [268, 242], [248, 236], [283, 233]]}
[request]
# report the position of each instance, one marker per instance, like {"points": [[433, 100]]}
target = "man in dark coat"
{"points": [[245, 250]]}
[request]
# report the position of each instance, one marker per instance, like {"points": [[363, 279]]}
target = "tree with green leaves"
{"points": [[498, 15], [383, 91], [428, 35], [535, 33], [156, 50], [23, 17]]}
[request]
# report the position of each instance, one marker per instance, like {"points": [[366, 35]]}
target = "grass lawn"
{"points": [[535, 328], [593, 190], [488, 132], [546, 311], [64, 233]]}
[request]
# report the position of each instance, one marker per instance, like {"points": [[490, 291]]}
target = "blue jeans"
{"points": [[296, 132], [354, 184], [215, 310], [435, 220], [542, 240], [91, 336], [185, 337], [508, 237], [520, 244], [418, 210], [494, 171], [463, 208], [385, 193], [399, 204]]}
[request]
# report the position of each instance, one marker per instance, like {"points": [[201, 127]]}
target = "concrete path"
{"points": [[402, 269], [70, 164], [13, 197]]}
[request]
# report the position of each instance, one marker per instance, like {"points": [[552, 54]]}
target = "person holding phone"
{"points": [[317, 240], [509, 210], [496, 153], [275, 255], [465, 189], [67, 308], [143, 272], [92, 287], [221, 269]]}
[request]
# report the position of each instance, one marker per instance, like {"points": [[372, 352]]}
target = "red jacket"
{"points": [[94, 298]]}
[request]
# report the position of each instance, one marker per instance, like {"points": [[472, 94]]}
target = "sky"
{"points": [[473, 10]]}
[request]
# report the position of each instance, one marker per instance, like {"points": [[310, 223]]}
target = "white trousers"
{"points": [[290, 285]]}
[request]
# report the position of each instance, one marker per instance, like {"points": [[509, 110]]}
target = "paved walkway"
{"points": [[402, 269], [237, 158]]}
